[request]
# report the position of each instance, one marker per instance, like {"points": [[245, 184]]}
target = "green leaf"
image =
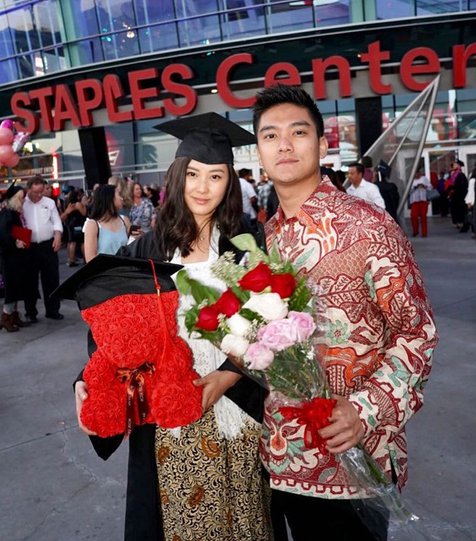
{"points": [[301, 296], [245, 242], [201, 292], [191, 317], [183, 284]]}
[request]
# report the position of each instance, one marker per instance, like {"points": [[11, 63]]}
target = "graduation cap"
{"points": [[107, 276], [12, 190], [207, 138]]}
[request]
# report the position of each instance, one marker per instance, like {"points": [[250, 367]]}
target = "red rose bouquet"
{"points": [[267, 322]]}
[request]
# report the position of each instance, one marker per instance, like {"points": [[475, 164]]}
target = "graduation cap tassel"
{"points": [[163, 319], [156, 281]]}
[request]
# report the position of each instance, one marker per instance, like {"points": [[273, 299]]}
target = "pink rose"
{"points": [[278, 335], [305, 324], [258, 357]]}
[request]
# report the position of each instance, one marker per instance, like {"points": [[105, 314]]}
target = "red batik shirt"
{"points": [[378, 343]]}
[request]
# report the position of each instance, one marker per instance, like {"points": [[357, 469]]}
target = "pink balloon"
{"points": [[7, 124], [6, 153], [12, 161], [6, 136]]}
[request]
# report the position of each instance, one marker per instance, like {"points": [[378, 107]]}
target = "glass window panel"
{"points": [[466, 100], [332, 12], [46, 22], [118, 15], [242, 19], [153, 11], [434, 7], [467, 126], [200, 30], [8, 71], [394, 9], [288, 16], [191, 8], [158, 37]]}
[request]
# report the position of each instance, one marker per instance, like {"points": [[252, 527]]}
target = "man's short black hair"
{"points": [[36, 179], [279, 94], [244, 171], [360, 168]]}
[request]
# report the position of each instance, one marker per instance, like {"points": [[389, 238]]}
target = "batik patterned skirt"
{"points": [[212, 488]]}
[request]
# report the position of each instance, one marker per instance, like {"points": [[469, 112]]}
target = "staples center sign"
{"points": [[53, 106]]}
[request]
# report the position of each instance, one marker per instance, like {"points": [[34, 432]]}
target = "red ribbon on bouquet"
{"points": [[313, 415], [135, 378]]}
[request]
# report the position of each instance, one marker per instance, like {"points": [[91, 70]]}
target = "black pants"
{"points": [[308, 517], [44, 264]]}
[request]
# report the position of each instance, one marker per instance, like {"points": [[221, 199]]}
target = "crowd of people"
{"points": [[243, 471]]}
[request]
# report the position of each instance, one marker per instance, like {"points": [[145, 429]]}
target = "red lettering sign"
{"points": [[30, 119], [139, 94], [319, 67], [461, 55], [184, 91], [90, 97], [112, 92], [65, 109], [43, 96], [224, 72], [408, 69], [293, 76], [374, 57]]}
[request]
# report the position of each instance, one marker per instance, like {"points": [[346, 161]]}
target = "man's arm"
{"points": [[394, 392], [376, 196]]}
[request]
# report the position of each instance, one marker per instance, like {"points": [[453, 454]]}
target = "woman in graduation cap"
{"points": [[14, 256], [210, 478]]}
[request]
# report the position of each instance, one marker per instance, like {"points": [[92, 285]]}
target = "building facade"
{"points": [[91, 79]]}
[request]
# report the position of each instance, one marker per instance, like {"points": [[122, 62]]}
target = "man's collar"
{"points": [[324, 188]]}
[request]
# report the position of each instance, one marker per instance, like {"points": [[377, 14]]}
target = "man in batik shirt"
{"points": [[378, 346]]}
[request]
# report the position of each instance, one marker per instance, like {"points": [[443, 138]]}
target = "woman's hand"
{"points": [[20, 244], [81, 394], [215, 385]]}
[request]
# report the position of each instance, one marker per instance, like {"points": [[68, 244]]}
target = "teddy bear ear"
{"points": [[107, 276]]}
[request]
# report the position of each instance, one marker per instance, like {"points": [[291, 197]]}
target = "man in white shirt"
{"points": [[41, 216], [362, 188], [248, 194]]}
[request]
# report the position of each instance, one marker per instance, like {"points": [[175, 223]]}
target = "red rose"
{"points": [[207, 319], [283, 284], [228, 303], [257, 279]]}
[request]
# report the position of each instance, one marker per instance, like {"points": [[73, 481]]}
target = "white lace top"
{"points": [[207, 358]]}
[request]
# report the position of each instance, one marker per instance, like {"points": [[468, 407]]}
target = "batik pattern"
{"points": [[378, 340]]}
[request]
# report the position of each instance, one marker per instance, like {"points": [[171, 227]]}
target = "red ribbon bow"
{"points": [[135, 378], [314, 415]]}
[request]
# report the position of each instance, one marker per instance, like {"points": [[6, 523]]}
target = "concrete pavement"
{"points": [[54, 488]]}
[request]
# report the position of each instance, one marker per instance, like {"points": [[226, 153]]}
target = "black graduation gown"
{"points": [[143, 521], [15, 262]]}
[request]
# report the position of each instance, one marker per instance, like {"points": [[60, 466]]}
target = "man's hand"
{"points": [[57, 241], [346, 429], [215, 385], [81, 394]]}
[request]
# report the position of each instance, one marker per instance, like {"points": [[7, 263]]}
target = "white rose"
{"points": [[234, 345], [238, 325], [269, 306]]}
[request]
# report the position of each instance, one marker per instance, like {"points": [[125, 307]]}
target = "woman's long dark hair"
{"points": [[103, 207], [176, 226]]}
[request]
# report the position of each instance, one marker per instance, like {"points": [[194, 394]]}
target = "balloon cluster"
{"points": [[11, 143]]}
